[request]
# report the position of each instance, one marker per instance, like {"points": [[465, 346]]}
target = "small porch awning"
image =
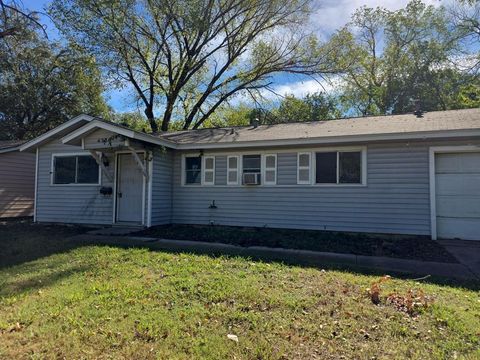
{"points": [[120, 135], [99, 137]]}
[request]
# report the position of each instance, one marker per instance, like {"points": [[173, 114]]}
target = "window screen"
{"points": [[350, 169], [326, 168], [65, 170], [79, 169], [252, 163], [87, 170], [193, 170]]}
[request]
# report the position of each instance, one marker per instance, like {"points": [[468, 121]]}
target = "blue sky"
{"points": [[328, 16]]}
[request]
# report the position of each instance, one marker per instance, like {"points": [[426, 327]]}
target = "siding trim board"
{"points": [[36, 187], [150, 184], [433, 150]]}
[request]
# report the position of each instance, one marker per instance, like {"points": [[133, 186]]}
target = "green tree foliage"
{"points": [[14, 19], [133, 120], [313, 107], [44, 84], [188, 58], [400, 56]]}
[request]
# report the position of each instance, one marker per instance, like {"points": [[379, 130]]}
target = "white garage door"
{"points": [[457, 179]]}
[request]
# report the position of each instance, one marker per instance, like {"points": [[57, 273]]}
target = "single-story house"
{"points": [[17, 180], [400, 174]]}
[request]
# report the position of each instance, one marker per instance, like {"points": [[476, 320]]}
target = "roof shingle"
{"points": [[373, 125]]}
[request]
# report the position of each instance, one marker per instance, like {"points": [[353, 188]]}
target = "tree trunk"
{"points": [[167, 116], [151, 118]]}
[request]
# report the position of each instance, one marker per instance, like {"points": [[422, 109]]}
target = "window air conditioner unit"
{"points": [[251, 178]]}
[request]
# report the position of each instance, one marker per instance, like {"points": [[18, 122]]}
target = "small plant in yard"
{"points": [[374, 290], [412, 303]]}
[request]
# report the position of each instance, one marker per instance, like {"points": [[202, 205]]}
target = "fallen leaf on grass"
{"points": [[232, 337], [16, 327]]}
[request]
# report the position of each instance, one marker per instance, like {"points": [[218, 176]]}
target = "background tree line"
{"points": [[192, 64]]}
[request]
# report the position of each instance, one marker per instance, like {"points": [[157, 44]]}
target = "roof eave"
{"points": [[40, 140], [417, 135], [95, 124], [10, 149]]}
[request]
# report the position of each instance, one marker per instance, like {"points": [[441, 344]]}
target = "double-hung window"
{"points": [[338, 167], [193, 170], [251, 169], [209, 170], [75, 169], [270, 166], [232, 170]]}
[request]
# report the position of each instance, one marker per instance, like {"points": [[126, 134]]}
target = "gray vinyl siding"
{"points": [[220, 170], [162, 187], [287, 168], [17, 184], [396, 198], [70, 203]]}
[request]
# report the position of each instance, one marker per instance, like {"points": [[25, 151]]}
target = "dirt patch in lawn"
{"points": [[395, 246]]}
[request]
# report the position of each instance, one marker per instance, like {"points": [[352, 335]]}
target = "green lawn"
{"points": [[65, 300]]}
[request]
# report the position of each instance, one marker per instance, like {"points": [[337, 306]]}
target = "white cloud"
{"points": [[298, 89], [329, 15]]}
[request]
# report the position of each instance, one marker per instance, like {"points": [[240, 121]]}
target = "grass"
{"points": [[100, 302], [396, 246]]}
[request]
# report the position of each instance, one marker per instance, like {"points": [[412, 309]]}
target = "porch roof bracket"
{"points": [[139, 162], [102, 166]]}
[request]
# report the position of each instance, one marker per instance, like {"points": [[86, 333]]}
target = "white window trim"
{"points": [[204, 170], [310, 150], [264, 169], [237, 170], [52, 169], [308, 167], [363, 167]]}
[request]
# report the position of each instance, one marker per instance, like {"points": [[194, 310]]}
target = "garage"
{"points": [[457, 195]]}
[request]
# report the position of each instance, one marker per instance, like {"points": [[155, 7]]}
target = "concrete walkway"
{"points": [[304, 257], [467, 252]]}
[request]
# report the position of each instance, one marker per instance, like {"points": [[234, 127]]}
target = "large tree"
{"points": [[401, 56], [44, 84], [185, 59], [14, 18]]}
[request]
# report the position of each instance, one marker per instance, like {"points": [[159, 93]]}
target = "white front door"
{"points": [[457, 186], [130, 184]]}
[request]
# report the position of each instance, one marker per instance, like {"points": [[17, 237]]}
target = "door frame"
{"points": [[433, 150], [117, 169]]}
